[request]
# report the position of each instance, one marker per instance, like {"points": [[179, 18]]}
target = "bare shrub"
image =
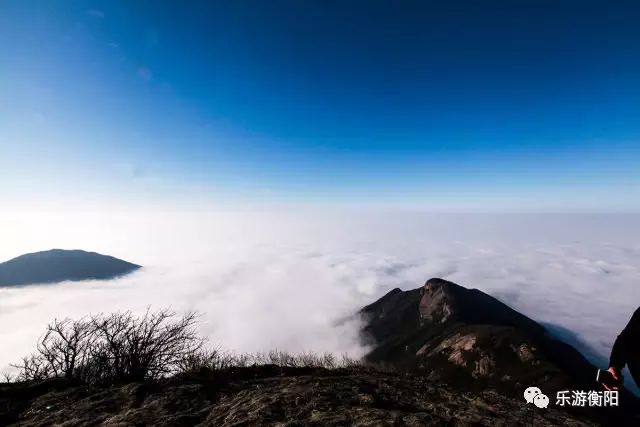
{"points": [[118, 347], [202, 359], [65, 347], [32, 368], [149, 347], [122, 347]]}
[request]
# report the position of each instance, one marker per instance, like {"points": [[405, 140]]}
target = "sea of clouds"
{"points": [[289, 280]]}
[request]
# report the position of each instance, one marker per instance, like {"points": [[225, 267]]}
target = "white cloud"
{"points": [[286, 280]]}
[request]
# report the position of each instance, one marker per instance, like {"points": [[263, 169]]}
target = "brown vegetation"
{"points": [[121, 348], [118, 347]]}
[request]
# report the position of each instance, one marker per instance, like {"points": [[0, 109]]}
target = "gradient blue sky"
{"points": [[518, 105]]}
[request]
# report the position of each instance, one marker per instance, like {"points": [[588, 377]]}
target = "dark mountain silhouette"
{"points": [[473, 341], [59, 265]]}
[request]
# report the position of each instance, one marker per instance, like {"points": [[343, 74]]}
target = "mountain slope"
{"points": [[59, 265], [464, 334], [472, 341]]}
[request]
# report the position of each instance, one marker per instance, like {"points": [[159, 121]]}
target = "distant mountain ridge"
{"points": [[59, 265]]}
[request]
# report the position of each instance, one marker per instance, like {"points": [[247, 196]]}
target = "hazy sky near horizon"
{"points": [[463, 105]]}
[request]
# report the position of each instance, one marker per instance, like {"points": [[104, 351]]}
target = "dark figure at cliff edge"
{"points": [[626, 350]]}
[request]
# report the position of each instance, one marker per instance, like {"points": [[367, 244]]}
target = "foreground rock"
{"points": [[272, 396], [58, 265]]}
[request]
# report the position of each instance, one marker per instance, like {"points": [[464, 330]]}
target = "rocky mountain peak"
{"points": [[438, 303], [469, 337], [471, 340]]}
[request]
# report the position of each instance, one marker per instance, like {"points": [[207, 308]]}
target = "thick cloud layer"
{"points": [[288, 281]]}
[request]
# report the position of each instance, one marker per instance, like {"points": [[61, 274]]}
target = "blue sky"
{"points": [[519, 105]]}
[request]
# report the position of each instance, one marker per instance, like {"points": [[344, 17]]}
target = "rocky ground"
{"points": [[271, 396]]}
